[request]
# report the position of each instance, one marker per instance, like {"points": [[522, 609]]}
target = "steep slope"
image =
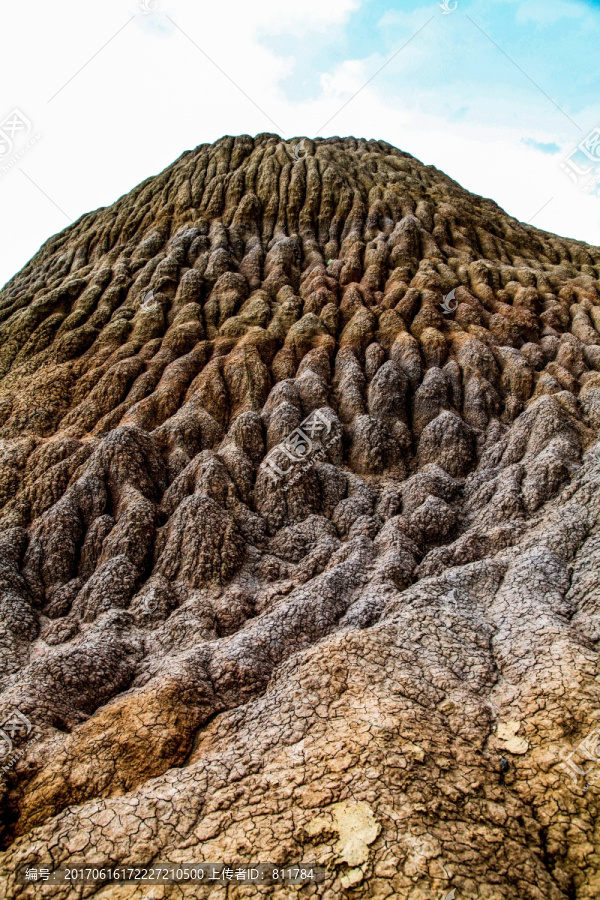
{"points": [[299, 534]]}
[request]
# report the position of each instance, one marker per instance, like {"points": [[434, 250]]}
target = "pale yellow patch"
{"points": [[507, 734], [356, 828]]}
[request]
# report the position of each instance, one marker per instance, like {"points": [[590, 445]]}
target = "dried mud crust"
{"points": [[374, 662]]}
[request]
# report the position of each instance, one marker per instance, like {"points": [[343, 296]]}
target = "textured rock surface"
{"points": [[373, 661]]}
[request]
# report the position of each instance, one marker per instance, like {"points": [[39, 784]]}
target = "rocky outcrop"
{"points": [[299, 534]]}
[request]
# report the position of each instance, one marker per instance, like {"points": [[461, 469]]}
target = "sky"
{"points": [[96, 97]]}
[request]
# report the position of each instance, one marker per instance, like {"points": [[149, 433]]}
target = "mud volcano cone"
{"points": [[299, 547]]}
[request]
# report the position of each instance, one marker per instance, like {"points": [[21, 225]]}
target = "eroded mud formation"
{"points": [[373, 661]]}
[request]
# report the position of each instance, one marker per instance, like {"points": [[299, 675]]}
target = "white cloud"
{"points": [[275, 17], [346, 78]]}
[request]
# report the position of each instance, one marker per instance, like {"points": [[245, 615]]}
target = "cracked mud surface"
{"points": [[374, 661]]}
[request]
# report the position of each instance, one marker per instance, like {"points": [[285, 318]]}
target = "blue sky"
{"points": [[496, 94], [452, 69]]}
